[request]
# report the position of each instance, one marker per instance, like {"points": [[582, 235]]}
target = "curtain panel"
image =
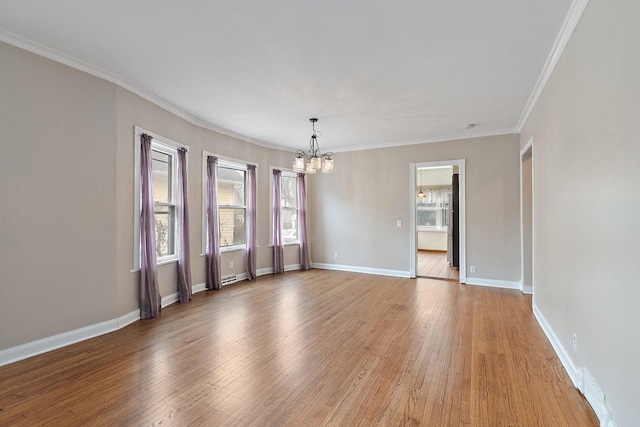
{"points": [[149, 290], [305, 257], [184, 257], [214, 280], [278, 243], [251, 246]]}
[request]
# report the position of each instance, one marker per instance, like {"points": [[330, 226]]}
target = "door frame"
{"points": [[463, 214], [528, 146]]}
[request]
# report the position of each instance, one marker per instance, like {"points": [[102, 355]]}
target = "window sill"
{"points": [[163, 262], [286, 244], [227, 250], [432, 229], [167, 261], [232, 248]]}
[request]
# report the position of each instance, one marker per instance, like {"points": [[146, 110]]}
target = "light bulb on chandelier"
{"points": [[316, 159]]}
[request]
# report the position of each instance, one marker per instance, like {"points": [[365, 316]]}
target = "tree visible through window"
{"points": [[163, 175], [231, 206], [289, 203]]}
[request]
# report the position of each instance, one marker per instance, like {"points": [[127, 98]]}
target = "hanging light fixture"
{"points": [[316, 159], [421, 195]]}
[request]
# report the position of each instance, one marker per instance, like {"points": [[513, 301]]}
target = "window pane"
{"points": [[289, 225], [162, 175], [426, 218], [231, 226], [289, 192], [445, 215], [230, 187], [164, 230]]}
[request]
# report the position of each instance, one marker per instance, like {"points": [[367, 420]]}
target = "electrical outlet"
{"points": [[230, 264], [472, 269], [335, 255], [399, 223], [574, 341]]}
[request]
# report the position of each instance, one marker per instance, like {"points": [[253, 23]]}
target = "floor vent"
{"points": [[228, 279]]}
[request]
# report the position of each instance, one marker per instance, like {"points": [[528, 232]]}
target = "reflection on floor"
{"points": [[434, 264]]}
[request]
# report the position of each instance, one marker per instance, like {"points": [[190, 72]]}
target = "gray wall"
{"points": [[57, 198], [67, 193], [587, 201], [355, 209]]}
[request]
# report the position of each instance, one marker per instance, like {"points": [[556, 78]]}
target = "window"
{"points": [[289, 206], [433, 210], [289, 203], [164, 175], [164, 169], [231, 203]]}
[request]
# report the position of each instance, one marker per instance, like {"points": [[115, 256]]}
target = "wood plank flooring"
{"points": [[309, 349], [434, 264]]}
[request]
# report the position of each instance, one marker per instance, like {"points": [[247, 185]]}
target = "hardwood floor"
{"points": [[434, 264], [309, 349]]}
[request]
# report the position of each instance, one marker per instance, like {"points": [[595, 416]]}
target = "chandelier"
{"points": [[316, 159]]}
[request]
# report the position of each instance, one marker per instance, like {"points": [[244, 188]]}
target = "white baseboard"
{"points": [[580, 376], [169, 299], [44, 345], [526, 289], [128, 319], [292, 267], [366, 270], [199, 288], [574, 373], [269, 270], [596, 398], [505, 284], [264, 271]]}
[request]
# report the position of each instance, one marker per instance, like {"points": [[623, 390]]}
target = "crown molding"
{"points": [[77, 64], [566, 31], [469, 135]]}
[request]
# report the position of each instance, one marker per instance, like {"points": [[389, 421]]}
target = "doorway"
{"points": [[526, 217], [438, 220]]}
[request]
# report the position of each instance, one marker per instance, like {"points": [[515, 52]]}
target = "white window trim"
{"points": [[171, 147], [226, 162], [289, 173]]}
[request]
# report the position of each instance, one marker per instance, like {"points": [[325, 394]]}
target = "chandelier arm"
{"points": [[312, 145]]}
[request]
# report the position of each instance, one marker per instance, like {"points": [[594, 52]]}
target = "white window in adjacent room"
{"points": [[433, 210]]}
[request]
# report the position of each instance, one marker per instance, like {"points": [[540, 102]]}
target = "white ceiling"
{"points": [[375, 72]]}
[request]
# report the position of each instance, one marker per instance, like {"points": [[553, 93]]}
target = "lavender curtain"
{"points": [[149, 291], [278, 244], [184, 258], [305, 258], [250, 251], [214, 280]]}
